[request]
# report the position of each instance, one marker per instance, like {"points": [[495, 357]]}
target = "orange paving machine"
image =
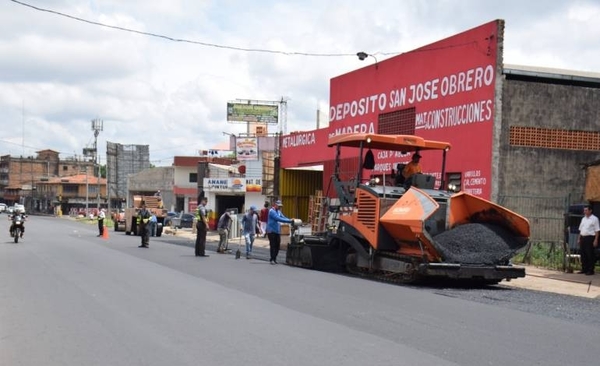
{"points": [[404, 234]]}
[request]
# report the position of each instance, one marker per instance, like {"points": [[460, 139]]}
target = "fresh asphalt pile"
{"points": [[477, 243]]}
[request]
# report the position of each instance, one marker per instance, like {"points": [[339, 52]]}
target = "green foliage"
{"points": [[103, 171], [547, 254]]}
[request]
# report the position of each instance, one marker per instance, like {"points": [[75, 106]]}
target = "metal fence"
{"points": [[545, 214], [547, 247]]}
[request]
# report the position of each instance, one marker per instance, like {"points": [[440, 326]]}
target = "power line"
{"points": [[244, 49], [206, 44], [34, 148]]}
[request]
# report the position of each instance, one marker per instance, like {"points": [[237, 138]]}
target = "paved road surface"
{"points": [[538, 279], [70, 298]]}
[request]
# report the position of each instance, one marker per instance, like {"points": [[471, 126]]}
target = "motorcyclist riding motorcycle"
{"points": [[17, 216]]}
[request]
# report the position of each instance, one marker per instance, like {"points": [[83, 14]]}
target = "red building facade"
{"points": [[444, 91]]}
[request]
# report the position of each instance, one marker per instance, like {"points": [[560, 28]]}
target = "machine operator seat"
{"points": [[423, 181], [399, 178]]}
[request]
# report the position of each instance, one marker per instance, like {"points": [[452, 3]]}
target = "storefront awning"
{"points": [[316, 168]]}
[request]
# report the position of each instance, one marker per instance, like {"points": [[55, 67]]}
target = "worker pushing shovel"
{"points": [[224, 227], [248, 229]]}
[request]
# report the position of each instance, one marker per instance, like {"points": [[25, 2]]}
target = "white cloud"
{"points": [[57, 74]]}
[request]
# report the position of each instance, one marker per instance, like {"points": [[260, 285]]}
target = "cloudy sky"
{"points": [[57, 73]]}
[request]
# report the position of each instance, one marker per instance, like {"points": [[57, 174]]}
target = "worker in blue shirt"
{"points": [[273, 230], [153, 225], [249, 226]]}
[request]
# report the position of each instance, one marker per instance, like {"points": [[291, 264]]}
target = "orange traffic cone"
{"points": [[104, 232]]}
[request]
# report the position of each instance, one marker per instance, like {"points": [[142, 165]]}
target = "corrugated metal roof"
{"points": [[551, 73], [74, 179], [227, 168]]}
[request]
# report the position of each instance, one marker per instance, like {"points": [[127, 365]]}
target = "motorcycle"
{"points": [[17, 227]]}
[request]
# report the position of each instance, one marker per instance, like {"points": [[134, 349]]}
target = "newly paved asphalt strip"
{"points": [[536, 279]]}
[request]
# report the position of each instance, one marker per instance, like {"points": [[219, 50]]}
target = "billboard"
{"points": [[223, 185], [254, 185], [451, 87], [448, 89], [305, 148], [246, 148], [254, 113]]}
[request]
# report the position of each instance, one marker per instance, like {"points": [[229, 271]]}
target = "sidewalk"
{"points": [[213, 235], [574, 284], [261, 245], [538, 279]]}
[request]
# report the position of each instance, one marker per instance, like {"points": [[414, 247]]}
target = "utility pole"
{"points": [[97, 126], [31, 170], [87, 192]]}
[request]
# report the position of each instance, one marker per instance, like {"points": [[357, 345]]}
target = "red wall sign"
{"points": [[451, 86], [312, 145]]}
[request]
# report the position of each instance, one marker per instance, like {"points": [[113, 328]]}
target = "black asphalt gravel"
{"points": [[477, 243]]}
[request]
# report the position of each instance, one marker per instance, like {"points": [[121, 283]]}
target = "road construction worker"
{"points": [[223, 227], [410, 169], [101, 217], [201, 228], [153, 225], [249, 229], [274, 231], [143, 223]]}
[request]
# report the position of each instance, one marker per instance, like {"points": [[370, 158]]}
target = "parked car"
{"points": [[184, 220], [170, 215], [3, 207]]}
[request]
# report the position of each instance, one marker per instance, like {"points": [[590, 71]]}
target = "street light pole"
{"points": [[98, 189], [363, 55], [97, 126], [31, 169], [87, 192]]}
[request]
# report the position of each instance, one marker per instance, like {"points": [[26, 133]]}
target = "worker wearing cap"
{"points": [[223, 227], [412, 168], [249, 226], [274, 231], [101, 217], [143, 223], [201, 228]]}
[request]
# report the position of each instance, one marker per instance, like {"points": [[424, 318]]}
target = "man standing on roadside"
{"points": [[153, 224], [274, 231], [223, 227], [101, 217], [201, 228], [249, 225], [143, 223], [264, 218], [589, 228]]}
